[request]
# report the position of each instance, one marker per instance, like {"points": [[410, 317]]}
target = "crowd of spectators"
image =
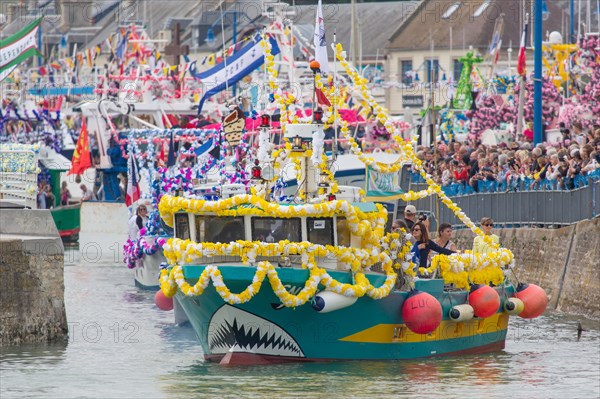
{"points": [[465, 168]]}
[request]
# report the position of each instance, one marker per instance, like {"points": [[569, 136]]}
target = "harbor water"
{"points": [[121, 346]]}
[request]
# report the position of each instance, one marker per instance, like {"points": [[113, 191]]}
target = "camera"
{"points": [[422, 217]]}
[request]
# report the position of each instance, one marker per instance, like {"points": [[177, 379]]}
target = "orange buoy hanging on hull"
{"points": [[162, 301], [421, 312], [484, 300], [534, 298]]}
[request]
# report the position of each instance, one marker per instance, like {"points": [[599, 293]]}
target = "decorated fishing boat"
{"points": [[339, 287]]}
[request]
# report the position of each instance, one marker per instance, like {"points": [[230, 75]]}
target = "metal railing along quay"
{"points": [[542, 208]]}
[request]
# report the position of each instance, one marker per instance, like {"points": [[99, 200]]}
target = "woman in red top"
{"points": [[528, 132], [461, 173]]}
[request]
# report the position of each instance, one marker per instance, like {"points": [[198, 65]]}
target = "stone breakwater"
{"points": [[32, 305], [565, 262]]}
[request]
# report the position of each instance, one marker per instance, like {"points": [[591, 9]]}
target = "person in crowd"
{"points": [[49, 196], [398, 225], [138, 221], [444, 239], [41, 196], [423, 246], [574, 169], [69, 122], [480, 244], [528, 132], [423, 219], [410, 214], [65, 194], [86, 195], [460, 172]]}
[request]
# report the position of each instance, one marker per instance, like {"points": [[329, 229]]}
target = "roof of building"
{"points": [[336, 18], [472, 23]]}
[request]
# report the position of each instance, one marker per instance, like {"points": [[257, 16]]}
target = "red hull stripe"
{"points": [[248, 359], [67, 233]]}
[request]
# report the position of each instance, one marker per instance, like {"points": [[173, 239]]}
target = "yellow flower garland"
{"points": [[380, 113], [183, 251], [369, 226]]}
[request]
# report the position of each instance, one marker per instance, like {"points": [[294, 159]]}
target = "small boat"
{"points": [[145, 258], [265, 279]]}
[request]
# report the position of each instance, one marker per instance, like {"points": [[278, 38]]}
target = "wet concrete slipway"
{"points": [[121, 346]]}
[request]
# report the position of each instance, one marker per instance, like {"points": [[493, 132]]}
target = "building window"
{"points": [[436, 71], [457, 70], [406, 67]]}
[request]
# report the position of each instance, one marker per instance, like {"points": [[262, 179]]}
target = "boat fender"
{"points": [[421, 312], [484, 300], [327, 301], [513, 306], [534, 298], [162, 301], [461, 313]]}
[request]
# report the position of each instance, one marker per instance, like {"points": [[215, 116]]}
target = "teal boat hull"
{"points": [[264, 331]]}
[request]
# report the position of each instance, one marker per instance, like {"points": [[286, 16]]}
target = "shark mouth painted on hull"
{"points": [[234, 329]]}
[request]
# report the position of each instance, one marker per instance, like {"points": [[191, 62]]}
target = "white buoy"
{"points": [[461, 313], [327, 301], [514, 306]]}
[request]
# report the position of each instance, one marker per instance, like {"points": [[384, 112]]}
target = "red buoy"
{"points": [[422, 313], [162, 301], [534, 298], [484, 300]]}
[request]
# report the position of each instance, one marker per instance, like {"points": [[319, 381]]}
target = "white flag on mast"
{"points": [[319, 40]]}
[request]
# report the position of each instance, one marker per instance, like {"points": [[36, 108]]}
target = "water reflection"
{"points": [[33, 356]]}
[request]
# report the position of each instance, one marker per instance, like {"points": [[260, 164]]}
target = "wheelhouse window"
{"points": [[182, 226], [320, 231], [222, 229], [276, 229], [343, 232]]}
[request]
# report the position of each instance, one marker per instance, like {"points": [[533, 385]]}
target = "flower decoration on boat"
{"points": [[183, 251], [405, 147], [134, 250], [19, 158]]}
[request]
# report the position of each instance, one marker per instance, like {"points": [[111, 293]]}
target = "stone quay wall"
{"points": [[565, 262], [32, 305]]}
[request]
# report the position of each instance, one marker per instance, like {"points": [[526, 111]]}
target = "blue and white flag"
{"points": [[205, 148], [226, 74], [320, 42]]}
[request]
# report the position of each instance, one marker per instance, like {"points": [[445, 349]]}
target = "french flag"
{"points": [[521, 69], [319, 40], [133, 181]]}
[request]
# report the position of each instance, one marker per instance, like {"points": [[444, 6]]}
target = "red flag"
{"points": [[321, 97], [161, 155], [81, 156], [521, 70]]}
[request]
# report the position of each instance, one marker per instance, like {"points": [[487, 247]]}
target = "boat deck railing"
{"points": [[18, 185]]}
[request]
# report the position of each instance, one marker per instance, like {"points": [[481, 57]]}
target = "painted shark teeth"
{"points": [[234, 329]]}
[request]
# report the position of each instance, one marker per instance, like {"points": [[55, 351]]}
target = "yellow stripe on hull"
{"points": [[448, 329]]}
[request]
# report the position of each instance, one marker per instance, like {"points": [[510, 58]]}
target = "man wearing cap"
{"points": [[410, 213]]}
